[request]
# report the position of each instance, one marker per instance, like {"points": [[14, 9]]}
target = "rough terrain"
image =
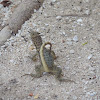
{"points": [[73, 28]]}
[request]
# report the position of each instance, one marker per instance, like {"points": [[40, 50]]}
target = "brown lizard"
{"points": [[47, 57]]}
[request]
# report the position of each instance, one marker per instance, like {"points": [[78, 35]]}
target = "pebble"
{"points": [[46, 24], [79, 20], [63, 33], [58, 17], [74, 98], [5, 33], [53, 1], [75, 38], [72, 51], [91, 93], [90, 56], [79, 57], [69, 42], [1, 6], [11, 60], [87, 12], [34, 24]]}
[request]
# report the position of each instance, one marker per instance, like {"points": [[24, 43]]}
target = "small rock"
{"points": [[35, 10], [53, 1], [75, 38], [44, 73], [87, 12], [34, 24], [91, 93], [74, 98], [69, 42], [5, 34], [90, 56], [86, 1], [63, 33], [58, 17], [79, 20], [46, 24], [11, 60], [79, 57], [1, 6], [72, 51]]}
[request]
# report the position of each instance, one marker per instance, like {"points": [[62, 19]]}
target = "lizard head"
{"points": [[36, 39], [34, 34]]}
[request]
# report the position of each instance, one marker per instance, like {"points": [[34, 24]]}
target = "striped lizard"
{"points": [[47, 57]]}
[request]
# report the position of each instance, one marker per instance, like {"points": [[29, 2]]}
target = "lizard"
{"points": [[37, 41], [47, 57]]}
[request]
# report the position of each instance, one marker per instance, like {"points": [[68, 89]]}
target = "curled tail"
{"points": [[45, 66], [44, 44]]}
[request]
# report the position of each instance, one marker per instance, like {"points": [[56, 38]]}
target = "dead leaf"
{"points": [[36, 96], [31, 94], [5, 3]]}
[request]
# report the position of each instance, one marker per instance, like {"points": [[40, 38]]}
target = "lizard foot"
{"points": [[65, 80], [32, 75]]}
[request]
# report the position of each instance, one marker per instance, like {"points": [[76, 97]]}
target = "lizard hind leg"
{"points": [[58, 75], [57, 72]]}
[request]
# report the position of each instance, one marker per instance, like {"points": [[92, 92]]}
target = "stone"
{"points": [[72, 51], [75, 38], [5, 34], [90, 56]]}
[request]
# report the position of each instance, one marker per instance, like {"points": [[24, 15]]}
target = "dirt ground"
{"points": [[73, 28]]}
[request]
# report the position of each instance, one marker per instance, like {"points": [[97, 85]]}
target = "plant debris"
{"points": [[84, 43], [31, 94], [36, 96], [6, 3]]}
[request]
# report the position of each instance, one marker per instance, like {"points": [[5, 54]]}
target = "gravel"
{"points": [[78, 62]]}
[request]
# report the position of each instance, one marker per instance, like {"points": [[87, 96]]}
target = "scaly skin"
{"points": [[47, 57], [48, 63], [37, 41]]}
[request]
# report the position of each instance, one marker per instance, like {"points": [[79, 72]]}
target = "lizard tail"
{"points": [[46, 43], [42, 56]]}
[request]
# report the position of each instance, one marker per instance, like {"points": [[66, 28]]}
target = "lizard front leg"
{"points": [[53, 54], [34, 57], [38, 70]]}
